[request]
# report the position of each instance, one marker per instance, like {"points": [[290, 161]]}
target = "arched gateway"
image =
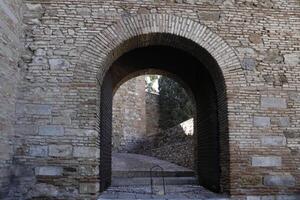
{"points": [[184, 48]]}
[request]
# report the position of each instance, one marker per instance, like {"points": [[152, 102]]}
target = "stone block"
{"points": [[249, 63], [261, 121], [39, 60], [273, 102], [34, 109], [86, 152], [40, 52], [273, 56], [292, 59], [89, 188], [6, 151], [210, 16], [83, 11], [277, 180], [266, 161], [269, 197], [38, 151], [51, 130], [60, 52], [26, 129], [60, 150], [253, 198], [284, 121], [81, 132], [48, 171], [62, 120], [249, 52], [255, 38], [288, 197], [58, 64], [273, 141], [46, 191], [88, 170], [34, 7]]}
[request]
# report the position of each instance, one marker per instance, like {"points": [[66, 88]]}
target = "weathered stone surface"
{"points": [[6, 151], [87, 170], [273, 102], [40, 52], [270, 161], [276, 180], [273, 141], [51, 130], [34, 7], [49, 171], [39, 60], [24, 129], [38, 151], [81, 132], [60, 150], [284, 121], [86, 152], [253, 198], [59, 53], [292, 59], [210, 16], [43, 190], [273, 56], [58, 64], [249, 52], [255, 38], [86, 188], [33, 109], [84, 11], [288, 197], [261, 121], [250, 180], [249, 63]]}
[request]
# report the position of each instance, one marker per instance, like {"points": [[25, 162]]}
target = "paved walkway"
{"points": [[134, 164], [137, 162], [182, 192]]}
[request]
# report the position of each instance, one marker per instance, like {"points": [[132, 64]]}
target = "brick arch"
{"points": [[165, 30], [155, 29]]}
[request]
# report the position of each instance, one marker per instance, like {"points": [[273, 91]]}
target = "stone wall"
{"points": [[152, 113], [71, 40], [129, 115], [175, 145], [135, 115], [11, 46]]}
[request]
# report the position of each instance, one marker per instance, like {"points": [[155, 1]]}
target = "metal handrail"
{"points": [[163, 178]]}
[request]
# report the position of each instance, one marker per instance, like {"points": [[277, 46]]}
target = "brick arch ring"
{"points": [[155, 29]]}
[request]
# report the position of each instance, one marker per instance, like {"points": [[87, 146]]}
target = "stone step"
{"points": [[131, 174], [156, 181]]}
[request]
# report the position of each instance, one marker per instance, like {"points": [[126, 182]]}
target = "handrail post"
{"points": [[162, 175]]}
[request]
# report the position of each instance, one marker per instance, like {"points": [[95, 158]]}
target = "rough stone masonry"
{"points": [[54, 54]]}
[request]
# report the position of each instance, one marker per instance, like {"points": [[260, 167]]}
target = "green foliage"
{"points": [[175, 104]]}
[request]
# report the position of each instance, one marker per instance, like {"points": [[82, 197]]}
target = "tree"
{"points": [[175, 104]]}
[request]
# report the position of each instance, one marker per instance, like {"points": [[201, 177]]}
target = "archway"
{"points": [[208, 127], [216, 56]]}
